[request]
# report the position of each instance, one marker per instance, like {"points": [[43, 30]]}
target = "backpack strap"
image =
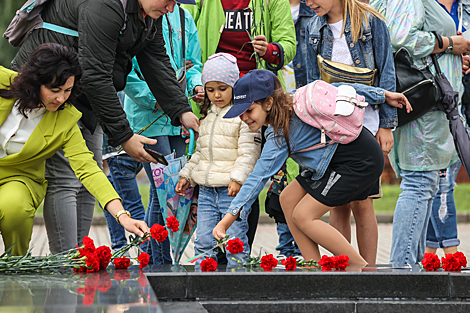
{"points": [[352, 100], [71, 32], [183, 32], [60, 29]]}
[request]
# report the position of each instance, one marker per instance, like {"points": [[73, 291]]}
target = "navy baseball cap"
{"points": [[187, 1], [251, 87]]}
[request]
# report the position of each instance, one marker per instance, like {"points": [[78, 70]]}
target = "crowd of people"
{"points": [[139, 73]]}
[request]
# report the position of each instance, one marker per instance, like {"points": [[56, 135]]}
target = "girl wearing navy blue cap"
{"points": [[226, 153], [333, 175]]}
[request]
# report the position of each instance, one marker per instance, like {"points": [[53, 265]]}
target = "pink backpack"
{"points": [[315, 104]]}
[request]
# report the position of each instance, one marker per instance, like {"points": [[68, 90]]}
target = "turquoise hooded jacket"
{"points": [[139, 104]]}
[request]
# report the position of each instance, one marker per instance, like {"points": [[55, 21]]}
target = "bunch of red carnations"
{"points": [[450, 262], [86, 258], [338, 262]]}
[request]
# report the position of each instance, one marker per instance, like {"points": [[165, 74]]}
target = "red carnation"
{"points": [[92, 262], [89, 245], [208, 265], [158, 232], [341, 262], [122, 275], [450, 262], [268, 262], [461, 257], [143, 259], [172, 224], [431, 262], [326, 263], [235, 246], [290, 263], [104, 255], [122, 262]]}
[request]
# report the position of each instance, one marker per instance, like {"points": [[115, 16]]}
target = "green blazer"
{"points": [[56, 130]]}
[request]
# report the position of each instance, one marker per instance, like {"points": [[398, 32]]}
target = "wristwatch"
{"points": [[120, 213], [450, 47]]}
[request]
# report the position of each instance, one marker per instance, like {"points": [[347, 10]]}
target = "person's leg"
{"points": [[253, 219], [238, 229], [411, 216], [367, 231], [123, 171], [60, 204], [286, 241], [340, 218], [207, 218], [16, 216], [306, 216], [85, 201], [159, 251], [442, 229], [289, 198]]}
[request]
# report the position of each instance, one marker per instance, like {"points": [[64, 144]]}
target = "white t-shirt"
{"points": [[295, 12], [16, 130], [342, 54]]}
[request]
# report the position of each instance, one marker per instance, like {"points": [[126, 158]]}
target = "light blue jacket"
{"points": [[373, 51], [139, 104]]}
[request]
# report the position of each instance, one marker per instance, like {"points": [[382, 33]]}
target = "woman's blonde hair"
{"points": [[357, 14]]}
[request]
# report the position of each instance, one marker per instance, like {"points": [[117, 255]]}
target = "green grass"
{"points": [[391, 192], [384, 205]]}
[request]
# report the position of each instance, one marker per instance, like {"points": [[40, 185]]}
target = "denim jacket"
{"points": [[373, 51], [300, 59], [464, 7], [275, 153]]}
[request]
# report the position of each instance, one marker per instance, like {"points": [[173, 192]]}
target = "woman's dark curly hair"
{"points": [[50, 65]]}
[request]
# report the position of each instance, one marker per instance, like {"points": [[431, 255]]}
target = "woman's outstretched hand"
{"points": [[131, 225], [397, 100]]}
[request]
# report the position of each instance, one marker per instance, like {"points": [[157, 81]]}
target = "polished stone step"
{"points": [[307, 290]]}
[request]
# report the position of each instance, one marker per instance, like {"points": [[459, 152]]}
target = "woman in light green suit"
{"points": [[35, 122]]}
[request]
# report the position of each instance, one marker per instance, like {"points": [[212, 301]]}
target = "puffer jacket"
{"points": [[109, 37], [227, 150]]}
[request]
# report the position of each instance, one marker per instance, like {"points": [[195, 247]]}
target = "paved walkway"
{"points": [[266, 239]]}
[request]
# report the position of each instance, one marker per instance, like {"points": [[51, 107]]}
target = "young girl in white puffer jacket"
{"points": [[226, 153]]}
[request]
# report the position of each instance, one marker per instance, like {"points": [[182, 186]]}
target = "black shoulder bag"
{"points": [[417, 85]]}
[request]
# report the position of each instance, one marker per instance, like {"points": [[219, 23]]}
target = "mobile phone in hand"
{"points": [[157, 156]]}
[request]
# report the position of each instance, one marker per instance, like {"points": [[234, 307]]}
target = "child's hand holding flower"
{"points": [[181, 186], [219, 231]]}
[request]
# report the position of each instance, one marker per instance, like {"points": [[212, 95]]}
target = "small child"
{"points": [[226, 153]]}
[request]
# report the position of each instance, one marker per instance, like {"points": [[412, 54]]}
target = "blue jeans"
{"points": [[160, 252], [213, 203], [410, 221], [123, 170], [287, 245], [442, 227]]}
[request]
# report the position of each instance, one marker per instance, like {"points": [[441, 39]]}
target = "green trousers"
{"points": [[16, 216]]}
